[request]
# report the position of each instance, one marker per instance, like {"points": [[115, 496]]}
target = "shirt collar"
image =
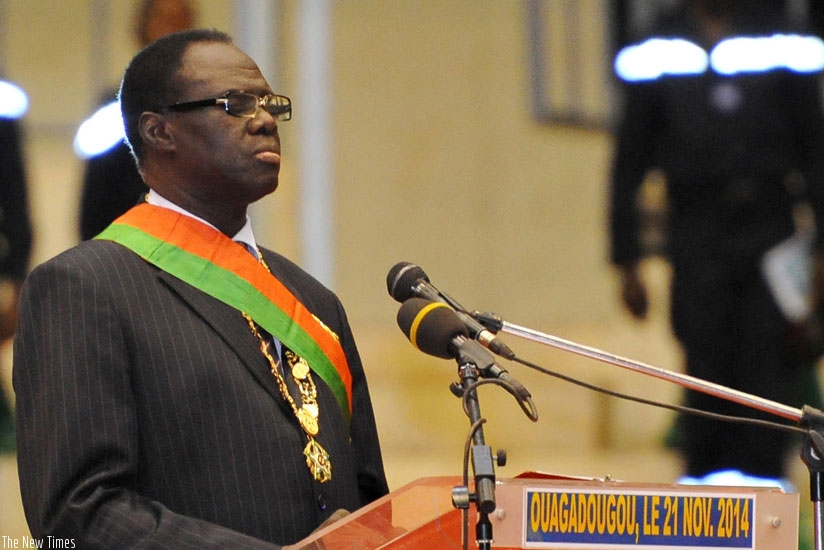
{"points": [[245, 236]]}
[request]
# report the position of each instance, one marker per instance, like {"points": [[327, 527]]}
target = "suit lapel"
{"points": [[229, 324]]}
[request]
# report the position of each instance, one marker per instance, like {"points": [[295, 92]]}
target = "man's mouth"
{"points": [[269, 157]]}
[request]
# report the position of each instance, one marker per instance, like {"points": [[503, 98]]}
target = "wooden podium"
{"points": [[551, 512]]}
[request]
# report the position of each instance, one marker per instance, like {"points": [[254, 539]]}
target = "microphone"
{"points": [[435, 329], [406, 280], [432, 327]]}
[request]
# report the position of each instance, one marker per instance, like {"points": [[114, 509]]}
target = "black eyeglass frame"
{"points": [[281, 109]]}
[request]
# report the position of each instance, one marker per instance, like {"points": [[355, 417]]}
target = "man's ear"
{"points": [[154, 131]]}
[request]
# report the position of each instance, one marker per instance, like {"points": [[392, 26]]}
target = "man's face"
{"points": [[223, 159]]}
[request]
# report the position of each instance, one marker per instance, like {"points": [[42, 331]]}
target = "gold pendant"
{"points": [[308, 422], [318, 461], [311, 408], [300, 370]]}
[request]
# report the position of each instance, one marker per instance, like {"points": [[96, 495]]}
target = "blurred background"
{"points": [[470, 137]]}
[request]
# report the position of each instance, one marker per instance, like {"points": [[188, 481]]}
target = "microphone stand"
{"points": [[482, 460], [811, 419]]}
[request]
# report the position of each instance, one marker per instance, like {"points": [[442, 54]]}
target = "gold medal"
{"points": [[311, 408], [300, 369], [318, 461], [307, 421]]}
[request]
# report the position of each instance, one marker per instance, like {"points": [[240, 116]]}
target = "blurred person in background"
{"points": [[729, 110], [111, 184], [15, 231]]}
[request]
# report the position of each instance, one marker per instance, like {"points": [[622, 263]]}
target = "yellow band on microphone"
{"points": [[413, 330]]}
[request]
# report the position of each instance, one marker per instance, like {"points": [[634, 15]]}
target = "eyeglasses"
{"points": [[243, 104]]}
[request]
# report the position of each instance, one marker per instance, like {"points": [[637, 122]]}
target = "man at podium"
{"points": [[179, 386]]}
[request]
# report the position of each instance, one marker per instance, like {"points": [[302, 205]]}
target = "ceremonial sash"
{"points": [[207, 259]]}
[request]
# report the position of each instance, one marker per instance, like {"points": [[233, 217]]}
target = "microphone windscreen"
{"points": [[401, 278], [430, 326]]}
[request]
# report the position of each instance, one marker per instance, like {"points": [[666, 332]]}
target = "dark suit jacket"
{"points": [[148, 417]]}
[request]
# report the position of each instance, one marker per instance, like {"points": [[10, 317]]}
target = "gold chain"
{"points": [[317, 459]]}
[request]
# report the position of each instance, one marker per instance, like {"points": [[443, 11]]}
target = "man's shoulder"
{"points": [[94, 254], [279, 259], [297, 279], [283, 267]]}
